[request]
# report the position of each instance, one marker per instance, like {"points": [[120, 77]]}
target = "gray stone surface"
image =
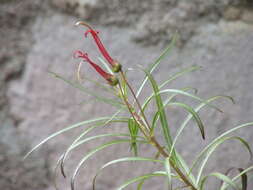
{"points": [[15, 20], [154, 21], [44, 104]]}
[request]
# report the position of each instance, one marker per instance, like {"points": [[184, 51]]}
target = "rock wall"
{"points": [[154, 21], [215, 35], [16, 20]]}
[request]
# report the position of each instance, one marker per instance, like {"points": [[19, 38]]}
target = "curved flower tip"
{"points": [[78, 23], [116, 67], [111, 79], [79, 54]]}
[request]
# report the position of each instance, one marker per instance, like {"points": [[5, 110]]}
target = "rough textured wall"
{"points": [[154, 21], [16, 40], [219, 40]]}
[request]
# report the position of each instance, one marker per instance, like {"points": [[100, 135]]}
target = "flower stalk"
{"points": [[150, 136]]}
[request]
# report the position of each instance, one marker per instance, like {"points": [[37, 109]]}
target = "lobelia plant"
{"points": [[142, 129]]}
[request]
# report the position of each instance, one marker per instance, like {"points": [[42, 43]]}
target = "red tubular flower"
{"points": [[111, 79], [116, 67]]}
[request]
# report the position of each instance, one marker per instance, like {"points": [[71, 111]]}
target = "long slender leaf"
{"points": [[194, 114], [70, 147], [241, 175], [82, 135], [162, 115], [81, 142], [140, 185], [126, 159], [221, 177], [179, 74], [80, 124], [243, 178], [180, 162], [173, 77], [177, 91], [204, 151], [157, 62], [180, 130], [91, 153], [213, 148], [148, 100], [95, 95], [166, 102], [140, 178]]}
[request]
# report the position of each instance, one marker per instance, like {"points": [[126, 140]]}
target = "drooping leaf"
{"points": [[140, 178], [166, 102], [194, 114], [213, 148], [177, 91], [126, 159], [100, 120], [221, 177], [189, 117], [244, 178], [91, 153], [82, 135]]}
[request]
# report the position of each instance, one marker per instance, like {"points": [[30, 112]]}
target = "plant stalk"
{"points": [[136, 99], [149, 137]]}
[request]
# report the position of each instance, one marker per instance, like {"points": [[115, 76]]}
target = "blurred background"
{"points": [[39, 36]]}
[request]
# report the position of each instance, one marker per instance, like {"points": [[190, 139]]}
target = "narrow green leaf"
{"points": [[213, 148], [140, 178], [244, 179], [194, 114], [162, 115], [82, 135], [91, 153], [179, 74], [243, 176], [221, 177], [108, 69], [139, 186], [80, 124], [148, 100], [126, 159], [189, 117], [180, 162], [152, 67], [189, 95], [81, 142], [204, 151], [95, 95], [156, 116]]}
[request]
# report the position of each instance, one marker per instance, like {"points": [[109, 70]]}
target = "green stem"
{"points": [[150, 137], [136, 99]]}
